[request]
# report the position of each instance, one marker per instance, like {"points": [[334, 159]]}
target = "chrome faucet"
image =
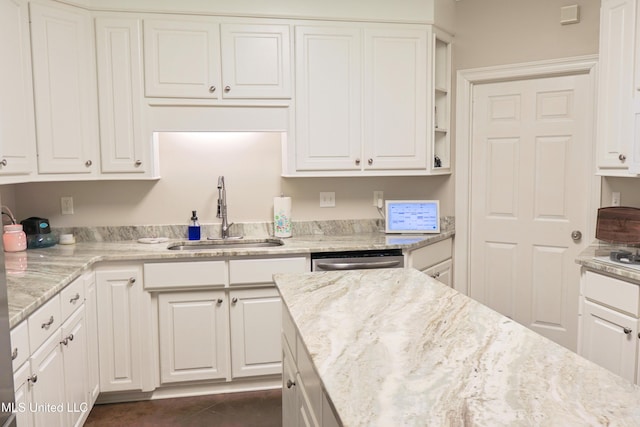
{"points": [[222, 208]]}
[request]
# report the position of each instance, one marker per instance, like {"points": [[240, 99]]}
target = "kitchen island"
{"points": [[395, 347]]}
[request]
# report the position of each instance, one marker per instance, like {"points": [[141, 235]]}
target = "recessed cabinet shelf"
{"points": [[441, 142]]}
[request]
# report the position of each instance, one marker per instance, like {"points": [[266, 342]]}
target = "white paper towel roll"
{"points": [[282, 216]]}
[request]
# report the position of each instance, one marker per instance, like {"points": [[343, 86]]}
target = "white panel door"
{"points": [[605, 340], [530, 164], [328, 118], [194, 337], [120, 94], [395, 99], [17, 126], [255, 61], [65, 89], [256, 327], [182, 58]]}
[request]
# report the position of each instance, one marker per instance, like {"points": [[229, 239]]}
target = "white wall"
{"points": [[190, 164]]}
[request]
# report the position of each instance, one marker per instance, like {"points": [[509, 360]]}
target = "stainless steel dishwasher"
{"points": [[357, 260]]}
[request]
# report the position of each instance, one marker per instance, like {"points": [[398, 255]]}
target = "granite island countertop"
{"points": [[395, 347], [33, 280]]}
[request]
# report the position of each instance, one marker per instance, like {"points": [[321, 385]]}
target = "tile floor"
{"points": [[248, 409]]}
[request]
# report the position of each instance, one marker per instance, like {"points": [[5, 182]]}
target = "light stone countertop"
{"points": [[595, 257], [46, 271], [395, 347]]}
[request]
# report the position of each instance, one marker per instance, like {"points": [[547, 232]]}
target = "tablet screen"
{"points": [[412, 216]]}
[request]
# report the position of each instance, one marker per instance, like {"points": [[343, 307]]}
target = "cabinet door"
{"points": [[182, 58], [608, 339], [328, 106], [255, 61], [256, 327], [91, 314], [441, 272], [395, 98], [17, 133], [22, 393], [289, 390], [74, 352], [119, 293], [120, 95], [65, 89], [194, 336], [615, 85], [48, 385]]}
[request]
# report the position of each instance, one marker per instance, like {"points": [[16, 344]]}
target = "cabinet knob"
{"points": [[234, 300], [212, 89], [227, 89], [14, 354], [88, 163], [131, 280], [33, 379], [357, 162], [3, 162], [45, 325], [622, 158], [627, 330], [435, 276], [290, 383], [370, 162], [138, 163], [75, 298], [219, 300]]}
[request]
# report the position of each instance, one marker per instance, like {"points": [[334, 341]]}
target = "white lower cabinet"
{"points": [[434, 260], [91, 308], [194, 335], [47, 382], [22, 393], [442, 272], [122, 327], [255, 317], [609, 324]]}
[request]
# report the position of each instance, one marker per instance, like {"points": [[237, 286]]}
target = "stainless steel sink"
{"points": [[225, 244]]}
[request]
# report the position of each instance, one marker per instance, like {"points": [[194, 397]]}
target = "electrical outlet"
{"points": [[378, 198], [66, 205], [327, 199], [615, 199]]}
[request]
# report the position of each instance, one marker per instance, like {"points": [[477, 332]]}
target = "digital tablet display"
{"points": [[412, 216]]}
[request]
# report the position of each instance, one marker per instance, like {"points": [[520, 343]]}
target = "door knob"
{"points": [[576, 235]]}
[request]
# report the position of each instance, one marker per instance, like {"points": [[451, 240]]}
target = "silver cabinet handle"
{"points": [[234, 300], [66, 340], [131, 280], [3, 162], [219, 300], [212, 89], [14, 354], [45, 325], [627, 330], [357, 162], [622, 158], [138, 163], [290, 383], [370, 162], [88, 163], [227, 89], [357, 265], [33, 379], [70, 337], [576, 235], [75, 298], [435, 276]]}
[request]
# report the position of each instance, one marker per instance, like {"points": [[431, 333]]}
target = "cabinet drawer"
{"points": [[617, 294], [19, 345], [431, 255], [164, 275], [44, 322], [72, 297], [248, 271]]}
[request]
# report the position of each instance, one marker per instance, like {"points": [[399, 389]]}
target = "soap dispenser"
{"points": [[194, 227]]}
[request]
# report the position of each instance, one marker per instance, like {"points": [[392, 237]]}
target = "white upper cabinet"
{"points": [[363, 101], [124, 148], [328, 133], [65, 89], [617, 94], [255, 61], [17, 127], [201, 58], [395, 99]]}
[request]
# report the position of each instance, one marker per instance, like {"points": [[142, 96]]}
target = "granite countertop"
{"points": [[596, 257], [34, 276], [417, 352]]}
